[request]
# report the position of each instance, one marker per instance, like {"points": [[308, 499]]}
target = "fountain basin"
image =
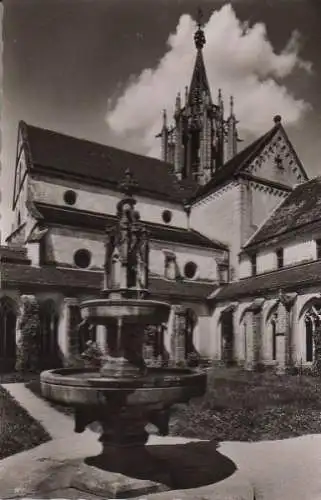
{"points": [[160, 388], [107, 311]]}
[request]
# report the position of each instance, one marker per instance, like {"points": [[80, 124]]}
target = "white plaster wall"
{"points": [[100, 200], [266, 261], [204, 259], [264, 200], [219, 217], [62, 243], [245, 267], [299, 252]]}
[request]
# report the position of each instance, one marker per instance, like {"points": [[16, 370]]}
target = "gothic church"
{"points": [[235, 238]]}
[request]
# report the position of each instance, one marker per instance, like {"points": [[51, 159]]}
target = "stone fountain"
{"points": [[123, 395]]}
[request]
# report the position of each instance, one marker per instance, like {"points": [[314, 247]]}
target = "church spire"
{"points": [[199, 83]]}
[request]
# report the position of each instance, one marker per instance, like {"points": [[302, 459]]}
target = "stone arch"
{"points": [[311, 313], [8, 320], [227, 333], [48, 334]]}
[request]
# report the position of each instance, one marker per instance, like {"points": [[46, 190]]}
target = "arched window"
{"points": [[8, 318], [309, 326], [273, 339], [312, 319], [49, 334]]}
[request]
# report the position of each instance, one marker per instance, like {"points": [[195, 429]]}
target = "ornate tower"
{"points": [[195, 143]]}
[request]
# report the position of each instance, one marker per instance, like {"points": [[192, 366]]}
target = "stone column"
{"points": [[68, 332], [254, 335], [101, 337], [179, 335], [284, 332]]}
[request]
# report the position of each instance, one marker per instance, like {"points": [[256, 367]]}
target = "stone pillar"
{"points": [[284, 332], [68, 331], [254, 335], [179, 335]]}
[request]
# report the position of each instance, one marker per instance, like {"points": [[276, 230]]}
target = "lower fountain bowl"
{"points": [[106, 311], [160, 388]]}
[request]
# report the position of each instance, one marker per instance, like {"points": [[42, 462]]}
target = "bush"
{"points": [[28, 348]]}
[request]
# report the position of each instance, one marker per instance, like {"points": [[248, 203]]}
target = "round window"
{"points": [[190, 269], [167, 216], [82, 258], [70, 197]]}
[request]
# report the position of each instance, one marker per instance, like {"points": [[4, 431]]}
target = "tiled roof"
{"points": [[238, 163], [25, 276], [77, 218], [291, 278], [59, 154], [301, 207]]}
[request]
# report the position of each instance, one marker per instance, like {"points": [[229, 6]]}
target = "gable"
{"points": [[300, 208], [277, 162], [258, 160]]}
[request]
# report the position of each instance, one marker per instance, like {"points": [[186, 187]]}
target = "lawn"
{"points": [[18, 431], [246, 406]]}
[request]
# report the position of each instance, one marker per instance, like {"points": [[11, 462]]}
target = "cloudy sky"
{"points": [[105, 69]]}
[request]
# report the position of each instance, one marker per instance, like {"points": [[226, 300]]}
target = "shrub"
{"points": [[28, 348]]}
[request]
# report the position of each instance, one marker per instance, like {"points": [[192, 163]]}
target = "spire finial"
{"points": [[231, 105], [164, 118], [199, 18], [199, 37]]}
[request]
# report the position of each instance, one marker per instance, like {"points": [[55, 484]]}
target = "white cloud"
{"points": [[239, 59]]}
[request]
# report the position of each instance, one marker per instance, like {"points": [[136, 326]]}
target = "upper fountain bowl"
{"points": [[105, 311]]}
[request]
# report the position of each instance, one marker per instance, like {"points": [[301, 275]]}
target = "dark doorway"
{"points": [[227, 326], [8, 319]]}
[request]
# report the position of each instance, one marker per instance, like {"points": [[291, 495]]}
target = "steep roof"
{"points": [[238, 163], [291, 278], [199, 81], [28, 277], [61, 155], [53, 214], [301, 207]]}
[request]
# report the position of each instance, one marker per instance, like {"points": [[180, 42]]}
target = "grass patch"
{"points": [[247, 406], [18, 431]]}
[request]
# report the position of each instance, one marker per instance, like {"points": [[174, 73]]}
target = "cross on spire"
{"points": [[199, 18], [199, 37]]}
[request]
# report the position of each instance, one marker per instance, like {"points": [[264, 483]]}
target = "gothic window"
{"points": [[253, 264], [280, 258], [318, 245], [49, 334], [274, 344], [8, 320], [82, 258], [170, 266], [309, 339]]}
